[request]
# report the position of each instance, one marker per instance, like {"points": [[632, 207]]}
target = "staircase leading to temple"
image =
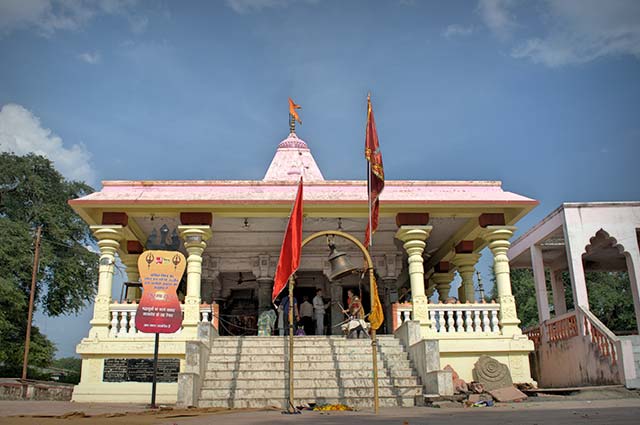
{"points": [[253, 372]]}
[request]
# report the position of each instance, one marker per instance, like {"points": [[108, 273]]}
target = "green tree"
{"points": [[33, 193]]}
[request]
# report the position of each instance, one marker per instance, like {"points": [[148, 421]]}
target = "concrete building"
{"points": [[574, 347], [231, 232]]}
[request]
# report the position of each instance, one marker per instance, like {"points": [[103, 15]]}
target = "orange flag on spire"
{"points": [[292, 110]]}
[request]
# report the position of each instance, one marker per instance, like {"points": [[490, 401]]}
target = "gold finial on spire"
{"points": [[293, 116]]}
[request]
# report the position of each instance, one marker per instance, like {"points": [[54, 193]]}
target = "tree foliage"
{"points": [[33, 193]]}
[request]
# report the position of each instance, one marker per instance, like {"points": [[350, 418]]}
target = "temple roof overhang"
{"points": [[339, 192]]}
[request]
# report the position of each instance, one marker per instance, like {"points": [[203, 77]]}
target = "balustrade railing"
{"points": [[534, 333], [123, 319], [562, 327], [607, 344], [454, 318]]}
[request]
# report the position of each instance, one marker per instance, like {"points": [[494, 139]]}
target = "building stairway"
{"points": [[252, 371]]}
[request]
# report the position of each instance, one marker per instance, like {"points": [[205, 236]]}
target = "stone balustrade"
{"points": [[562, 327], [123, 315], [454, 318]]}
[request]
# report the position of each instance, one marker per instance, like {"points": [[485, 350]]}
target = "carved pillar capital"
{"points": [[194, 237], [466, 265], [498, 239], [414, 241], [109, 238]]}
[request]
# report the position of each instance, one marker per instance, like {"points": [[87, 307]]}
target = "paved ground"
{"points": [[612, 411]]}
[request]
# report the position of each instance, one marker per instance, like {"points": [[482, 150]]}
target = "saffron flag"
{"points": [[292, 110], [291, 247], [376, 174], [376, 317]]}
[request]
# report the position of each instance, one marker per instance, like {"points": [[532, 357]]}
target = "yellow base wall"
{"points": [[463, 353], [93, 352]]}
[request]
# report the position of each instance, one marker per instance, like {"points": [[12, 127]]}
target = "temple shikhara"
{"points": [[231, 232]]}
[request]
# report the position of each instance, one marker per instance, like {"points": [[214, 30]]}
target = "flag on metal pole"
{"points": [[375, 185], [291, 247]]}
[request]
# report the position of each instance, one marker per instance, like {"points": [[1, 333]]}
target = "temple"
{"points": [[231, 233]]}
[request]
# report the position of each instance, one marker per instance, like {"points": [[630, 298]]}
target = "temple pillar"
{"points": [[414, 237], [133, 275], [442, 283], [265, 288], [540, 281], [337, 315], [195, 237], [109, 237], [557, 289], [466, 265], [498, 239]]}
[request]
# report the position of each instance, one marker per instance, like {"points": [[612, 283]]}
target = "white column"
{"points": [[557, 289], [575, 244], [633, 268], [414, 238], [442, 282], [109, 237], [133, 275], [498, 238], [466, 265], [195, 242], [542, 298]]}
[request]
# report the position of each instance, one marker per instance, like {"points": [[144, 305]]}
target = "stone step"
{"points": [[301, 350], [308, 393], [280, 341], [304, 365], [243, 358], [305, 374], [310, 344], [321, 382], [281, 403]]}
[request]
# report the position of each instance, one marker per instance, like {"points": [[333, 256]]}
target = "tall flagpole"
{"points": [[369, 172]]}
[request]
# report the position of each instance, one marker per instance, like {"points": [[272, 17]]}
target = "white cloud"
{"points": [[90, 58], [49, 16], [585, 30], [247, 6], [22, 133], [497, 16], [455, 30]]}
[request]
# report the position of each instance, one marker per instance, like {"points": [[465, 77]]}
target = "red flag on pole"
{"points": [[291, 247], [375, 182]]}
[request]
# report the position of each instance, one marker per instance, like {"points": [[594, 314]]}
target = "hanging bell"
{"points": [[340, 264]]}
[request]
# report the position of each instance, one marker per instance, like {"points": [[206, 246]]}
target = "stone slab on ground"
{"points": [[508, 394]]}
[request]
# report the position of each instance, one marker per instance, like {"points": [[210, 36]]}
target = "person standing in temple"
{"points": [[306, 315], [319, 308]]}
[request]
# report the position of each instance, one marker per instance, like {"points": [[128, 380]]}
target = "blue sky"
{"points": [[541, 95]]}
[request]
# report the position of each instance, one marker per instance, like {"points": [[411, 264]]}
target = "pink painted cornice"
{"points": [[276, 192]]}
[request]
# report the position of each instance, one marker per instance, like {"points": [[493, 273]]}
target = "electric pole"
{"points": [[34, 276]]}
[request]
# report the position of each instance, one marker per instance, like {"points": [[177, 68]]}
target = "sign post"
{"points": [[159, 310]]}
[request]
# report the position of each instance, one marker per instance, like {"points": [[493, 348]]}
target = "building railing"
{"points": [[580, 322], [562, 327], [534, 333], [123, 319], [606, 342], [454, 318]]}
